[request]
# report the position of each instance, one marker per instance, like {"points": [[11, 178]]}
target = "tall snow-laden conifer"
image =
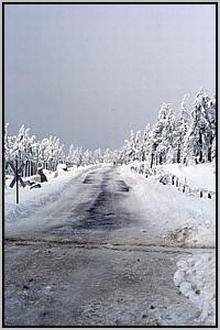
{"points": [[181, 128], [211, 134], [145, 144], [200, 136], [156, 136], [166, 147]]}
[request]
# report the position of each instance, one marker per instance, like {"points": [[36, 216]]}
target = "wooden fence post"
{"points": [[16, 182]]}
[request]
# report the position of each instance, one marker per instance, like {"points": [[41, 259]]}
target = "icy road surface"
{"points": [[96, 256]]}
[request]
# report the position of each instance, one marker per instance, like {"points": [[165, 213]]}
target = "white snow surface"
{"points": [[195, 278], [33, 199], [196, 176], [179, 219], [185, 221]]}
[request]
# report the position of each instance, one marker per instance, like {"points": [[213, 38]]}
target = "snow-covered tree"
{"points": [[98, 158], [87, 158], [132, 150], [75, 156], [201, 134], [213, 149], [165, 149], [181, 127], [211, 134], [8, 145], [156, 136], [106, 155], [145, 144]]}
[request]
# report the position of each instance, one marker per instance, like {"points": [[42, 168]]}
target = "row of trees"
{"points": [[79, 157], [182, 137], [186, 136], [47, 153], [33, 153]]}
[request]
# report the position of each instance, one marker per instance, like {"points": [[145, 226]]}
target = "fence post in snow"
{"points": [[16, 178], [177, 182]]}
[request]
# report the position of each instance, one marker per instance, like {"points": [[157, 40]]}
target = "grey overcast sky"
{"points": [[90, 73]]}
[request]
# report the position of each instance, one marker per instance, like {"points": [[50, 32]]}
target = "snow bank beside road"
{"points": [[183, 221], [178, 219], [196, 176], [32, 200], [195, 278]]}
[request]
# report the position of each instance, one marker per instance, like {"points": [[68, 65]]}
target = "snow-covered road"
{"points": [[101, 254]]}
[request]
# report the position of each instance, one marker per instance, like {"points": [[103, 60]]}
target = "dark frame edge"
{"points": [[111, 3], [216, 160], [3, 161], [4, 3]]}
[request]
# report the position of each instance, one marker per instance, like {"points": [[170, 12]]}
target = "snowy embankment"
{"points": [[181, 219], [196, 176], [184, 220], [195, 278], [32, 200], [194, 180]]}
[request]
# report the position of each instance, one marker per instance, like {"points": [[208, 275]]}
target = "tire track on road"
{"points": [[111, 246]]}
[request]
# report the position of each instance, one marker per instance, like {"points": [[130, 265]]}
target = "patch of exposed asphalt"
{"points": [[51, 284]]}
